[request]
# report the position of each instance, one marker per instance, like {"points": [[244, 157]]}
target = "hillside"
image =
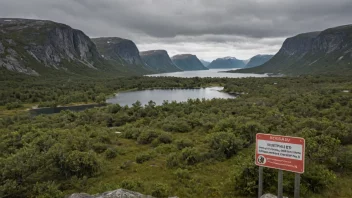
{"points": [[204, 62], [258, 60], [46, 48], [326, 53], [227, 62], [159, 60], [120, 50], [188, 62]]}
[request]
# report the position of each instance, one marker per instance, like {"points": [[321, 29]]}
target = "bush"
{"points": [[191, 156], [225, 143], [111, 153], [47, 190], [317, 178], [182, 174], [160, 190], [82, 164], [183, 143], [165, 138], [143, 157], [147, 137], [132, 185], [177, 125], [13, 105]]}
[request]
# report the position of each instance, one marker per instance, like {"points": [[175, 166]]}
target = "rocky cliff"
{"points": [[227, 62], [188, 62], [29, 46], [327, 52], [115, 48], [204, 62], [258, 60], [159, 60]]}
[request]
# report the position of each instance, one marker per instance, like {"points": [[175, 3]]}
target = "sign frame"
{"points": [[288, 140]]}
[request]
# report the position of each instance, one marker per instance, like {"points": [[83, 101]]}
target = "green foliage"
{"points": [[143, 157], [225, 143], [80, 151], [160, 190]]}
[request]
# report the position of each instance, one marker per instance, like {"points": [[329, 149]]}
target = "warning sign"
{"points": [[280, 152]]}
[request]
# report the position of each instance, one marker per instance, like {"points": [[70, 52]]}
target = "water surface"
{"points": [[215, 73], [159, 95]]}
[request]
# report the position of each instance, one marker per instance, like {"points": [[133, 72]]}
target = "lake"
{"points": [[215, 73], [159, 95]]}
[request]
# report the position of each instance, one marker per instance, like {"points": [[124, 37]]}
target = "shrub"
{"points": [[191, 156], [317, 178], [182, 174], [111, 153], [177, 125], [82, 164], [165, 138], [132, 185], [225, 143], [183, 143], [146, 137], [160, 190], [143, 157]]}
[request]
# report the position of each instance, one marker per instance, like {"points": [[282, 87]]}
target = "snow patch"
{"points": [[340, 58], [108, 42], [8, 20], [346, 91]]}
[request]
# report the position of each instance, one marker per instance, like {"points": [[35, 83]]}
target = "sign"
{"points": [[280, 152]]}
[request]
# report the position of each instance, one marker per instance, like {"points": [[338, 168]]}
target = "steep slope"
{"points": [[159, 60], [258, 60], [188, 62], [46, 48], [35, 46], [227, 62], [204, 62], [328, 52]]}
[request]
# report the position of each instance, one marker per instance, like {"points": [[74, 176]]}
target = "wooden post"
{"points": [[279, 185], [260, 182], [297, 185]]}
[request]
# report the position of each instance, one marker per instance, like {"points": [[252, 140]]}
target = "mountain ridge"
{"points": [[188, 62], [327, 52], [159, 60]]}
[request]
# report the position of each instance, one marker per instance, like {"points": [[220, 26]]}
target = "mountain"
{"points": [[159, 60], [258, 60], [188, 62], [204, 62], [227, 62], [47, 48], [122, 51], [328, 52]]}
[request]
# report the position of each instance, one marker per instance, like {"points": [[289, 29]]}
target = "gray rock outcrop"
{"points": [[40, 43], [270, 196], [119, 193], [326, 52], [258, 60], [188, 62], [159, 60], [227, 62], [118, 48]]}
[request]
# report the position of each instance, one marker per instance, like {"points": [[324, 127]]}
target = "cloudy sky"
{"points": [[207, 28]]}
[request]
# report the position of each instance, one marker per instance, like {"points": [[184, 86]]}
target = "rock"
{"points": [[258, 60], [159, 60], [270, 196], [188, 62], [227, 62], [119, 193], [118, 48], [325, 52], [48, 44]]}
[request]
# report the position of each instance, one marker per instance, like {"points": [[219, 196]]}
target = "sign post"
{"points": [[282, 153]]}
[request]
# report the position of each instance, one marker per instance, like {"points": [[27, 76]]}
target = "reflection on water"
{"points": [[159, 95], [216, 73]]}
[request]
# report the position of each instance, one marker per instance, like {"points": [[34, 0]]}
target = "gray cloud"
{"points": [[244, 27]]}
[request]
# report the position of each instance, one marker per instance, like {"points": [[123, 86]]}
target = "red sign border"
{"points": [[303, 152]]}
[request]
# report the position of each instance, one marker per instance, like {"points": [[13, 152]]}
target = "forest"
{"points": [[198, 148]]}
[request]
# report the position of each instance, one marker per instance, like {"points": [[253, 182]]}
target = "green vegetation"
{"points": [[193, 149]]}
